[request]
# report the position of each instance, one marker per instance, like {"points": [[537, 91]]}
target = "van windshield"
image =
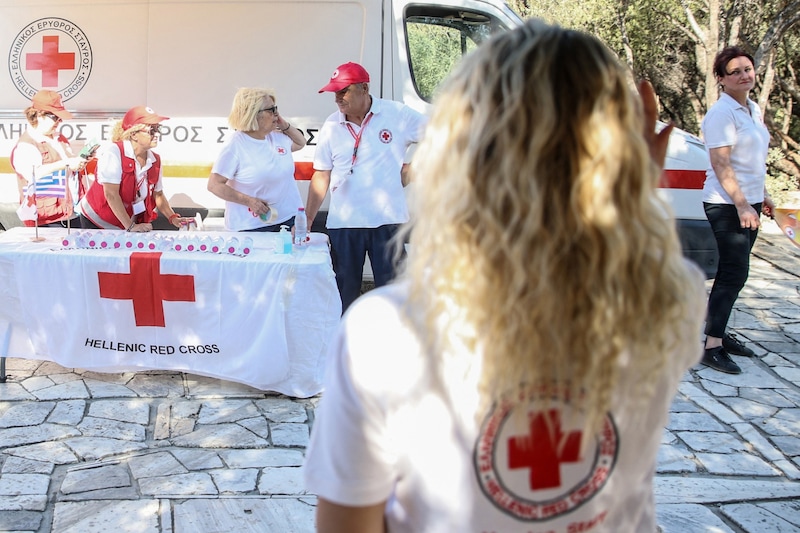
{"points": [[437, 37]]}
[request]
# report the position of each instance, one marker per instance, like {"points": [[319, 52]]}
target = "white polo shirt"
{"points": [[260, 168], [372, 194], [728, 123]]}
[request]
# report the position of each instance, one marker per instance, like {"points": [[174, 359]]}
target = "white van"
{"points": [[187, 58]]}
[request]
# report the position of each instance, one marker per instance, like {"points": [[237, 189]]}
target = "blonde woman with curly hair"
{"points": [[128, 191], [518, 376]]}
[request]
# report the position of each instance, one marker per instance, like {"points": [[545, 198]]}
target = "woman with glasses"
{"points": [[43, 155], [128, 190], [254, 172]]}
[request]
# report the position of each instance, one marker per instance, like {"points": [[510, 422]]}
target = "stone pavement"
{"points": [[167, 452]]}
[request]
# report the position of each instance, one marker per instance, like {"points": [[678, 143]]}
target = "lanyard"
{"points": [[357, 137]]}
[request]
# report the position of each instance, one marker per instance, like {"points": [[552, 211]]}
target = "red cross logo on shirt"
{"points": [[544, 449], [147, 287], [385, 136], [50, 61]]}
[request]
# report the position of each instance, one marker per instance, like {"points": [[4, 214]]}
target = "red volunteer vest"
{"points": [[127, 192]]}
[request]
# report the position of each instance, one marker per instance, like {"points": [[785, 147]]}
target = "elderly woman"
{"points": [[44, 154], [128, 190], [254, 172]]}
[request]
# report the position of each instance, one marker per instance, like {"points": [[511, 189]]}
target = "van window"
{"points": [[437, 37]]}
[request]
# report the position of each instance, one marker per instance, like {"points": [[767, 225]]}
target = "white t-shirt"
{"points": [[260, 168], [728, 123], [372, 195], [384, 430]]}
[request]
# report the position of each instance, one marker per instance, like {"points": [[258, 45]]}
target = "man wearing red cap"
{"points": [[359, 158], [128, 190], [44, 155]]}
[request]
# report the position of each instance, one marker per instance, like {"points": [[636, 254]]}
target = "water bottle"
{"points": [[300, 226], [285, 242]]}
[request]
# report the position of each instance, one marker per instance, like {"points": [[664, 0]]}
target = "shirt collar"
{"points": [[375, 108]]}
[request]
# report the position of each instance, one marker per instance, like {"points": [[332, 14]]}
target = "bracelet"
{"points": [[173, 215], [284, 130], [133, 223]]}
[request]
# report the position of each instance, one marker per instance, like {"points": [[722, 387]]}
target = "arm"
{"points": [[163, 206], [297, 137], [218, 185], [114, 200], [334, 518], [316, 193], [721, 163]]}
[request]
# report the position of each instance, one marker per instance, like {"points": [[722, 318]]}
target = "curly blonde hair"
{"points": [[544, 245]]}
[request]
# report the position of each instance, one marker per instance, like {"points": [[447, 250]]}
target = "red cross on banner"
{"points": [[147, 287], [50, 61], [544, 449]]}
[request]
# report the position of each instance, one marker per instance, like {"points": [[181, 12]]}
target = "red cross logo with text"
{"points": [[50, 61], [147, 287], [543, 449]]}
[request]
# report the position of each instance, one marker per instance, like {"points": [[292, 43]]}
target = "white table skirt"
{"points": [[264, 319]]}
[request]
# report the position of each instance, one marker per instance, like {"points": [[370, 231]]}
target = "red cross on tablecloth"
{"points": [[50, 61], [544, 449], [147, 287]]}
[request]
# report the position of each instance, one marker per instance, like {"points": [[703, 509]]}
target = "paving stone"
{"points": [[155, 465], [53, 452], [257, 425], [751, 377], [281, 480], [197, 459], [754, 518], [102, 389], [777, 426], [672, 489], [720, 390], [289, 435], [192, 484], [135, 411], [32, 435], [20, 465], [24, 414], [738, 464], [749, 409], [95, 478], [14, 392], [229, 481], [68, 412], [674, 460], [222, 411], [23, 502], [106, 516], [282, 410], [708, 441], [261, 458], [693, 422], [112, 429], [95, 448], [155, 386], [789, 374], [788, 445], [36, 383], [788, 510], [206, 387], [19, 484], [163, 415], [686, 518], [220, 436], [284, 515], [66, 391], [20, 520], [758, 442], [766, 397]]}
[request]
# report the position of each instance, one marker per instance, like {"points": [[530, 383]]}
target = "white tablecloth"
{"points": [[264, 320]]}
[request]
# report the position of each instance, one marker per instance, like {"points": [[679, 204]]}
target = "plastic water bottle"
{"points": [[300, 226], [285, 242]]}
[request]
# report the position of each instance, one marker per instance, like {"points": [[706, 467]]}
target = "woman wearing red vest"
{"points": [[44, 154], [128, 188]]}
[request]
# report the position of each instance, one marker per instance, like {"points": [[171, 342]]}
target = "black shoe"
{"points": [[718, 359], [734, 346]]}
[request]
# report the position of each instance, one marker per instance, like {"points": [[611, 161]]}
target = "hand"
{"points": [[142, 228], [257, 207], [656, 141], [768, 207], [76, 163], [748, 218]]}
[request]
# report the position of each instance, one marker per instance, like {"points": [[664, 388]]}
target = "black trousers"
{"points": [[734, 244]]}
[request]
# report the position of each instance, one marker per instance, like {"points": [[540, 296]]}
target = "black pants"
{"points": [[734, 244], [349, 247]]}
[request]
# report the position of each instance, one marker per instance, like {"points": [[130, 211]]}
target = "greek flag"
{"points": [[53, 185]]}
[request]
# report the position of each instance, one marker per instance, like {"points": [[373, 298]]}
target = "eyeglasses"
{"points": [[155, 129], [273, 110], [52, 116]]}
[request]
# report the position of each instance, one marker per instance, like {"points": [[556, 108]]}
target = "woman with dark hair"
{"points": [[734, 196]]}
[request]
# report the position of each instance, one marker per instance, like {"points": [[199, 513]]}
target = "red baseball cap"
{"points": [[346, 75], [140, 115], [50, 101]]}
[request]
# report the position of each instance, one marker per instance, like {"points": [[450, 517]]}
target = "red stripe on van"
{"points": [[303, 170], [682, 179]]}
